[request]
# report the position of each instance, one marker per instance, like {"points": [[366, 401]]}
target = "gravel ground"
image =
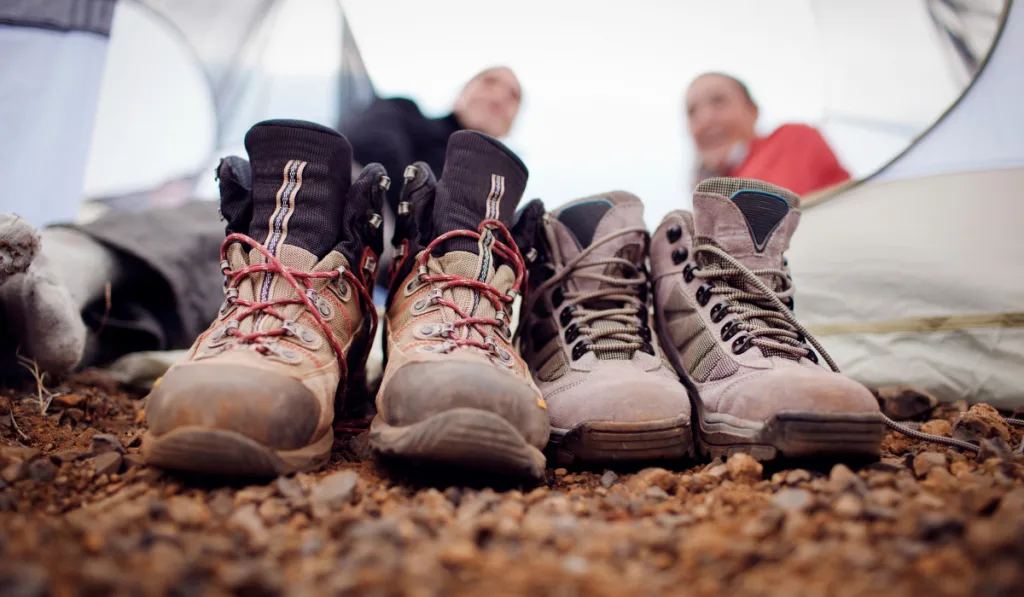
{"points": [[81, 514]]}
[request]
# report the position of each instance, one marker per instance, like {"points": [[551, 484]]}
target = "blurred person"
{"points": [[721, 114], [395, 133]]}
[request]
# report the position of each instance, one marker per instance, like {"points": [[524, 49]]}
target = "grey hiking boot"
{"points": [[257, 393], [723, 307], [454, 390], [586, 335]]}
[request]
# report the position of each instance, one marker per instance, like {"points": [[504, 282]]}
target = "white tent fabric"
{"points": [[46, 121], [186, 78], [915, 275]]}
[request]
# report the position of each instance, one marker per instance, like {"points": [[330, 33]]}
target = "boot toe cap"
{"points": [[420, 390], [619, 396], [795, 390], [273, 409]]}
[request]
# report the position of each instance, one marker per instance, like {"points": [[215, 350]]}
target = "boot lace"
{"points": [[611, 320], [305, 295], [769, 323], [501, 300]]}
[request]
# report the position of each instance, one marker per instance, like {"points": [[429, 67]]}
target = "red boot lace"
{"points": [[301, 281], [508, 251]]}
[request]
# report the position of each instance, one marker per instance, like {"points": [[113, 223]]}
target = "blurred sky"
{"points": [[603, 81]]}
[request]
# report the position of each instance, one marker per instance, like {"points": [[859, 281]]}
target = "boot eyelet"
{"points": [[339, 286], [223, 335], [674, 233], [719, 311], [729, 330], [321, 304], [704, 293], [565, 317], [503, 358], [278, 353], [369, 268], [415, 282], [505, 331], [425, 304], [581, 348], [741, 344], [230, 296], [571, 333], [341, 289], [688, 272], [502, 354], [434, 330], [811, 356], [557, 297], [304, 335], [679, 255]]}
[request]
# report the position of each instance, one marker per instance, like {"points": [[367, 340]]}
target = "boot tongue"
{"points": [[746, 218], [587, 221], [482, 179], [300, 174]]}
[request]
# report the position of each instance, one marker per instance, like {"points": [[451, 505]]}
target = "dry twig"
{"points": [[44, 397]]}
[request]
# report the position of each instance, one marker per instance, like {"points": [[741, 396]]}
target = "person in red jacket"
{"points": [[721, 114]]}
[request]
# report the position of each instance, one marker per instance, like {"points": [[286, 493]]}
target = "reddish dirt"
{"points": [[923, 521]]}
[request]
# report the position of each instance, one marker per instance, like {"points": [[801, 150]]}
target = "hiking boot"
{"points": [[723, 309], [256, 394], [454, 390], [586, 336]]}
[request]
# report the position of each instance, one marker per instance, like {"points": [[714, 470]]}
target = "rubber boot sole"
{"points": [[608, 441], [465, 437], [221, 452], [795, 435]]}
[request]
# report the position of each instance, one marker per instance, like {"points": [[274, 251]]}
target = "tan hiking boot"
{"points": [[586, 335], [454, 390], [723, 303], [256, 395]]}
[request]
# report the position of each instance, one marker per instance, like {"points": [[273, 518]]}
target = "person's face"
{"points": [[490, 102], [719, 116]]}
